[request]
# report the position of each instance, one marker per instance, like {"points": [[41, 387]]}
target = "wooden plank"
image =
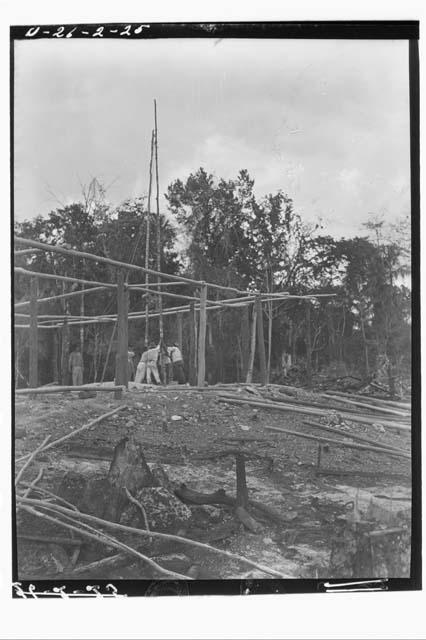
{"points": [[121, 371], [192, 341], [33, 373], [202, 337], [260, 341]]}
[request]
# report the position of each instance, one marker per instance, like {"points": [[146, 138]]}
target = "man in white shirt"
{"points": [[141, 368]]}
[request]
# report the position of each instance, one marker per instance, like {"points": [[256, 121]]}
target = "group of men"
{"points": [[169, 359]]}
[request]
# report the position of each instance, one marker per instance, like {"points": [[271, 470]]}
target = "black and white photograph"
{"points": [[212, 308]]}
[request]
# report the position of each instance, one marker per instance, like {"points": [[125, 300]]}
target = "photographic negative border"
{"points": [[363, 30]]}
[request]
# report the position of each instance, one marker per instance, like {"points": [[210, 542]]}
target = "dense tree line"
{"points": [[217, 230]]}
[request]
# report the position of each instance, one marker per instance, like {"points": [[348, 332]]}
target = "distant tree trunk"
{"points": [[55, 370], [331, 336], [249, 377], [95, 357], [364, 339]]}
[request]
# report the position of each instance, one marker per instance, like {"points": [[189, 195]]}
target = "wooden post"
{"points": [[249, 377], [261, 341], [147, 241], [33, 373], [159, 297], [308, 344], [55, 371], [245, 341], [192, 373], [122, 370], [202, 337], [65, 351], [82, 326], [179, 331]]}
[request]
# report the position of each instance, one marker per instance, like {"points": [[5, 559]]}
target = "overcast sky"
{"points": [[326, 121]]}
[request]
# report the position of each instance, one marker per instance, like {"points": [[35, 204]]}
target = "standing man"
{"points": [[151, 368], [141, 368], [130, 363], [177, 363], [75, 366]]}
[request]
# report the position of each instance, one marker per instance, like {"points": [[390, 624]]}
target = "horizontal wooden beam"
{"points": [[52, 276], [116, 263], [81, 292]]}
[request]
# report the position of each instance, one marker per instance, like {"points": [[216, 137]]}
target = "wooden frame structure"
{"points": [[198, 305]]}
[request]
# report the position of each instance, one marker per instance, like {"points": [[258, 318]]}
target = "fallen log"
{"points": [[363, 405], [45, 390], [340, 432], [77, 516], [374, 399], [316, 412], [341, 443], [220, 497], [70, 542], [73, 433]]}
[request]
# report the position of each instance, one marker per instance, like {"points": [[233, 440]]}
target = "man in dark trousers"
{"points": [[177, 363]]}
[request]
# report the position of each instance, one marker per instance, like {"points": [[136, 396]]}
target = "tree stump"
{"points": [[128, 469]]}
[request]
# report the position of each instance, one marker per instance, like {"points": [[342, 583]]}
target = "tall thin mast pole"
{"points": [[160, 301], [148, 220]]}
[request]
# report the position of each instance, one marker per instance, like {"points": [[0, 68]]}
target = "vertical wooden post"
{"points": [[308, 344], [261, 341], [192, 370], [202, 337], [65, 350], [245, 341], [82, 326], [33, 377], [147, 241], [122, 370], [179, 331], [55, 371], [249, 377]]}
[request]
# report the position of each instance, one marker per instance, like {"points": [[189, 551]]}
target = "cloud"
{"points": [[326, 121]]}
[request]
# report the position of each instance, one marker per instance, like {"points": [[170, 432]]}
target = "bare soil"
{"points": [[177, 428]]}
